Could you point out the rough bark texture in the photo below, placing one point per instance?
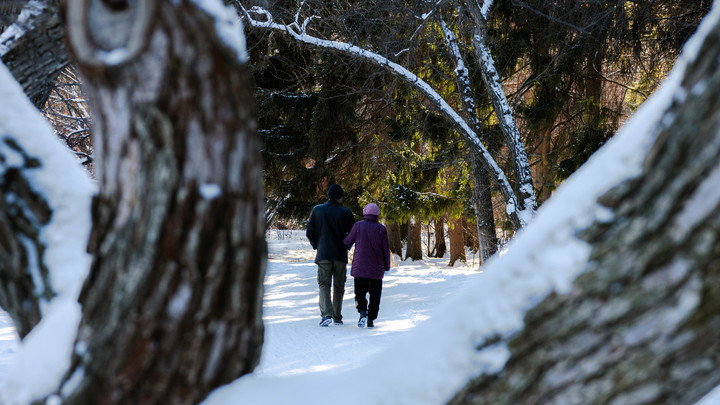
(482, 198)
(642, 324)
(23, 212)
(457, 243)
(440, 246)
(394, 238)
(506, 119)
(482, 204)
(172, 304)
(414, 239)
(33, 49)
(9, 10)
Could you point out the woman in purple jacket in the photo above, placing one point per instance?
(370, 262)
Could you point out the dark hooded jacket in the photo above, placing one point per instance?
(326, 228)
(372, 249)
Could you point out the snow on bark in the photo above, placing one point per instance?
(467, 336)
(485, 9)
(504, 114)
(32, 154)
(228, 26)
(23, 23)
(171, 308)
(298, 32)
(482, 199)
(33, 49)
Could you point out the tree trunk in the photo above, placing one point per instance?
(543, 169)
(36, 266)
(23, 214)
(482, 199)
(172, 304)
(440, 246)
(470, 235)
(642, 322)
(482, 204)
(414, 239)
(33, 48)
(457, 244)
(394, 238)
(506, 118)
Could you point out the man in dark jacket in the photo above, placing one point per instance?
(328, 225)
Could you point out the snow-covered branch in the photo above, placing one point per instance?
(301, 35)
(45, 222)
(504, 113)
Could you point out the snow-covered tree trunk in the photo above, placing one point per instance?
(171, 308)
(482, 198)
(25, 279)
(24, 276)
(33, 48)
(506, 118)
(641, 325)
(35, 208)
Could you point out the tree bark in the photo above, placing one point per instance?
(482, 198)
(440, 246)
(457, 243)
(172, 304)
(642, 322)
(414, 239)
(23, 214)
(34, 50)
(394, 238)
(506, 118)
(482, 204)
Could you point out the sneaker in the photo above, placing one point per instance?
(370, 324)
(338, 322)
(362, 320)
(326, 321)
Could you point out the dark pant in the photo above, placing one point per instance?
(363, 286)
(331, 272)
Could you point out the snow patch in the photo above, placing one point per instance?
(210, 191)
(179, 302)
(228, 26)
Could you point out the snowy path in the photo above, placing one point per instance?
(295, 344)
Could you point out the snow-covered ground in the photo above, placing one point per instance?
(294, 343)
(8, 343)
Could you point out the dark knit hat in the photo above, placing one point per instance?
(335, 192)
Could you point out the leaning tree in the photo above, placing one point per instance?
(171, 305)
(611, 290)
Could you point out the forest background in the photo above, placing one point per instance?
(475, 116)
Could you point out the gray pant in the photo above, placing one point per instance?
(335, 271)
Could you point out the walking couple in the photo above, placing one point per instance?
(332, 231)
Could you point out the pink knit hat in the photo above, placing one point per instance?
(371, 209)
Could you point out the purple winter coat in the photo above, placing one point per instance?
(372, 249)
